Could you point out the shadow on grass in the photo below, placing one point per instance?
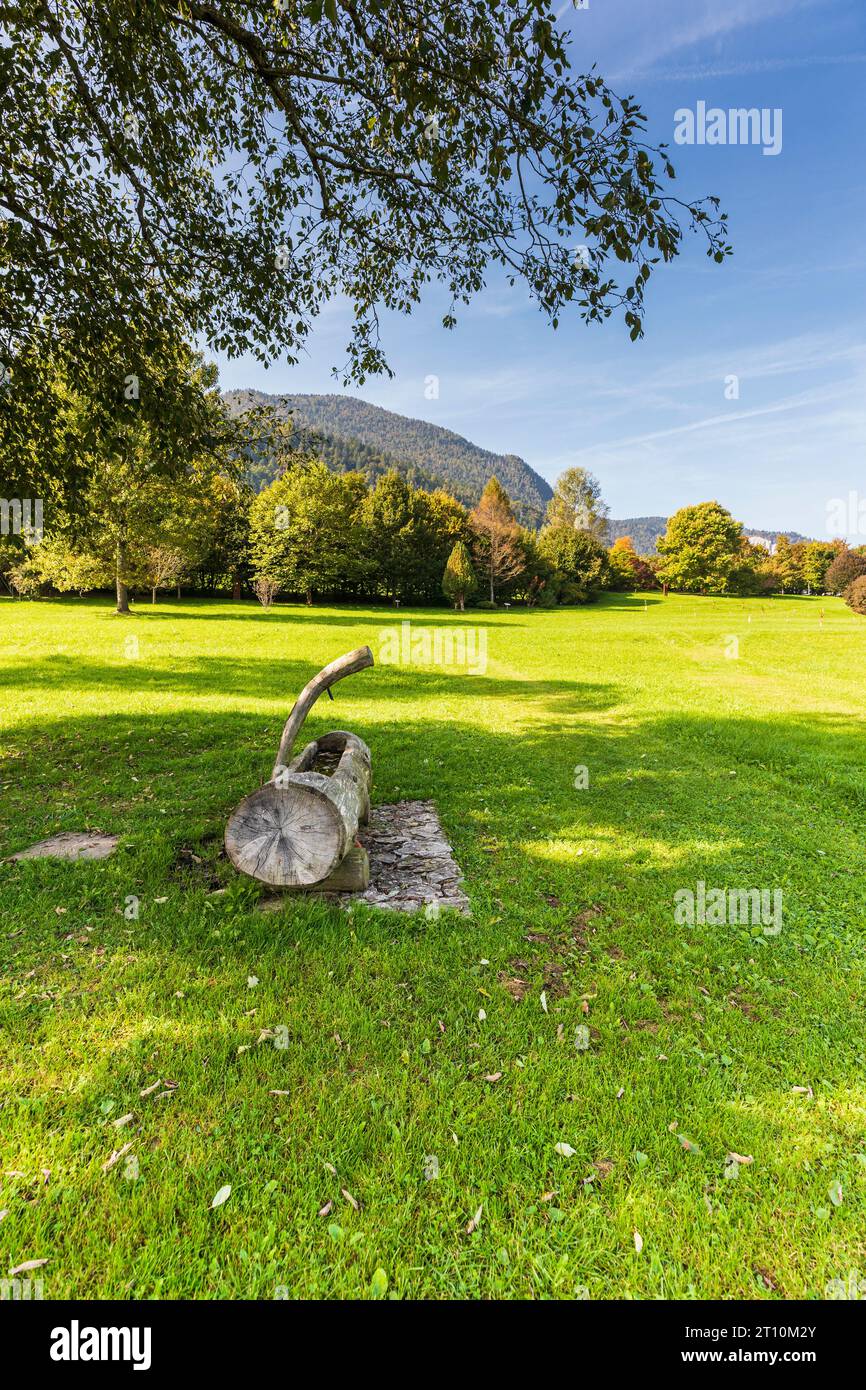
(750, 784)
(283, 679)
(661, 808)
(222, 610)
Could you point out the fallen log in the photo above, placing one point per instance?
(298, 828)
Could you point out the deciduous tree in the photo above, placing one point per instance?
(306, 533)
(855, 594)
(497, 548)
(578, 562)
(702, 547)
(847, 566)
(218, 171)
(577, 502)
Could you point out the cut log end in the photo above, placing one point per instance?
(295, 830)
(286, 835)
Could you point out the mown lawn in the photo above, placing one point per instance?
(742, 771)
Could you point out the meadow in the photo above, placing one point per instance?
(385, 1094)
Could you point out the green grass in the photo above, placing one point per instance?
(743, 772)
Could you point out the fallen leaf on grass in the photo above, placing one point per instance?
(493, 1077)
(353, 1202)
(149, 1090)
(279, 1093)
(28, 1264)
(116, 1157)
(543, 1001)
(475, 1222)
(638, 1241)
(803, 1091)
(565, 1150)
(221, 1196)
(740, 1158)
(123, 1120)
(835, 1193)
(326, 1209)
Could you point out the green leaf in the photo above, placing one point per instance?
(379, 1284)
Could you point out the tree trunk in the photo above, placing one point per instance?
(297, 829)
(122, 590)
(153, 595)
(309, 598)
(492, 598)
(236, 585)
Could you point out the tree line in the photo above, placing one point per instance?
(314, 533)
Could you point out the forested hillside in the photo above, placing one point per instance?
(350, 433)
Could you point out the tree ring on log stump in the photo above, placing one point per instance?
(287, 835)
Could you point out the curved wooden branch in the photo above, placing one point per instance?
(343, 666)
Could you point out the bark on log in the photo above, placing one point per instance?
(297, 829)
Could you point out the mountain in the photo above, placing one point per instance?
(646, 530)
(350, 433)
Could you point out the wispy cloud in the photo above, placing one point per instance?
(753, 67)
(655, 32)
(798, 402)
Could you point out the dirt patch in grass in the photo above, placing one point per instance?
(197, 870)
(581, 927)
(513, 985)
(554, 958)
(746, 1008)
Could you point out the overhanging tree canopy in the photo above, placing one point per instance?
(223, 169)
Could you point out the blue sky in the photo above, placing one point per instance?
(786, 315)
